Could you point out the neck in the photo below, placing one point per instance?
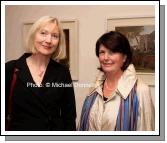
(40, 61)
(113, 77)
(111, 81)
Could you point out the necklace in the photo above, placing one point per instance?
(35, 70)
(41, 73)
(107, 87)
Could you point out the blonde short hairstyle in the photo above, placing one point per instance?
(59, 53)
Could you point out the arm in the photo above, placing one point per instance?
(68, 105)
(9, 70)
(146, 119)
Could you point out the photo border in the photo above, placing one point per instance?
(158, 137)
(72, 26)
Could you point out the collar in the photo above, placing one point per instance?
(53, 68)
(125, 83)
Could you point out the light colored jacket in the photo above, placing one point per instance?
(103, 114)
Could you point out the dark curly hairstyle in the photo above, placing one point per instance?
(117, 43)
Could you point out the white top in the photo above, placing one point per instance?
(103, 114)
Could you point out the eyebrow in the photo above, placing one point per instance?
(49, 32)
(43, 29)
(101, 50)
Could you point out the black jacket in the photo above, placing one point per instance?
(50, 107)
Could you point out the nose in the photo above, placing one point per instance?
(106, 56)
(48, 38)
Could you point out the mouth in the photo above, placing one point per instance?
(107, 64)
(46, 47)
(110, 63)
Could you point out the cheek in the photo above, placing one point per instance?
(37, 41)
(100, 59)
(121, 64)
(55, 42)
(38, 38)
(120, 61)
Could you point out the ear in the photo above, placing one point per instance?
(124, 58)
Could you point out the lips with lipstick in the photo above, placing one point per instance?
(46, 46)
(107, 64)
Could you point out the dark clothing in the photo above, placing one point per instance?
(46, 108)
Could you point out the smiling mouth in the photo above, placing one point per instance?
(46, 47)
(107, 65)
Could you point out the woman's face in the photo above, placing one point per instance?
(110, 62)
(46, 39)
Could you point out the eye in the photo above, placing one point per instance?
(43, 33)
(101, 52)
(55, 36)
(111, 53)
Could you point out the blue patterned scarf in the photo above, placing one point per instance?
(127, 116)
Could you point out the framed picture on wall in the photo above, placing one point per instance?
(70, 28)
(140, 32)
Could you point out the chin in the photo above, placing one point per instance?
(46, 53)
(107, 69)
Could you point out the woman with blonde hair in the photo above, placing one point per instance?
(34, 99)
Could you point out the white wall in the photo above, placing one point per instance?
(92, 24)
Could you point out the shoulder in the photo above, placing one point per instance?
(10, 63)
(9, 69)
(58, 66)
(9, 66)
(18, 62)
(58, 69)
(141, 86)
(143, 92)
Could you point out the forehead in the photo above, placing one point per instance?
(50, 27)
(102, 47)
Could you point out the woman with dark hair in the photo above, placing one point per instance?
(120, 100)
